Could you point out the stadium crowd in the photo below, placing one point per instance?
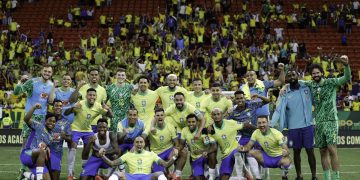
(137, 82)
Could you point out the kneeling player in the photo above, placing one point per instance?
(275, 153)
(199, 148)
(139, 163)
(103, 139)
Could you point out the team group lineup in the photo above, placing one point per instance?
(137, 133)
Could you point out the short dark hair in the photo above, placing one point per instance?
(179, 93)
(102, 120)
(91, 89)
(192, 116)
(216, 85)
(196, 79)
(159, 110)
(93, 69)
(49, 115)
(6, 114)
(239, 92)
(56, 101)
(316, 66)
(132, 109)
(262, 116)
(143, 77)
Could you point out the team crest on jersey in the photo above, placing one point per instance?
(162, 138)
(192, 141)
(171, 97)
(181, 120)
(143, 103)
(88, 116)
(266, 144)
(306, 91)
(223, 136)
(43, 95)
(197, 104)
(139, 161)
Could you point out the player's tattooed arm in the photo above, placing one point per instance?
(114, 144)
(113, 163)
(28, 115)
(89, 146)
(75, 95)
(247, 147)
(52, 95)
(171, 161)
(281, 79)
(285, 150)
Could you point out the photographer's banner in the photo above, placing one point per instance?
(10, 137)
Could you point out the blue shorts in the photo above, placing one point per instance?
(93, 165)
(227, 164)
(138, 176)
(125, 147)
(55, 162)
(26, 160)
(83, 135)
(164, 156)
(301, 137)
(94, 128)
(271, 162)
(197, 166)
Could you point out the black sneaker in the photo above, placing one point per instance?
(299, 178)
(314, 178)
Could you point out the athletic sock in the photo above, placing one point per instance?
(162, 177)
(178, 173)
(336, 175)
(327, 175)
(39, 173)
(212, 174)
(254, 167)
(239, 163)
(29, 175)
(71, 161)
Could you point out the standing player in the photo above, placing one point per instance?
(295, 113)
(61, 132)
(166, 93)
(119, 95)
(275, 153)
(164, 140)
(197, 97)
(102, 139)
(200, 149)
(245, 111)
(128, 129)
(85, 112)
(216, 100)
(38, 90)
(255, 86)
(63, 94)
(35, 154)
(81, 92)
(145, 101)
(139, 163)
(225, 136)
(324, 100)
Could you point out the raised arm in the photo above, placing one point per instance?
(281, 79)
(24, 86)
(75, 95)
(28, 115)
(347, 72)
(264, 99)
(201, 126)
(52, 95)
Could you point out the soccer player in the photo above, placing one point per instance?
(85, 112)
(166, 93)
(63, 94)
(35, 154)
(178, 112)
(275, 153)
(38, 90)
(295, 113)
(61, 133)
(245, 111)
(119, 95)
(197, 97)
(102, 139)
(145, 101)
(255, 86)
(128, 129)
(200, 149)
(139, 163)
(81, 92)
(225, 137)
(216, 100)
(164, 140)
(325, 114)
